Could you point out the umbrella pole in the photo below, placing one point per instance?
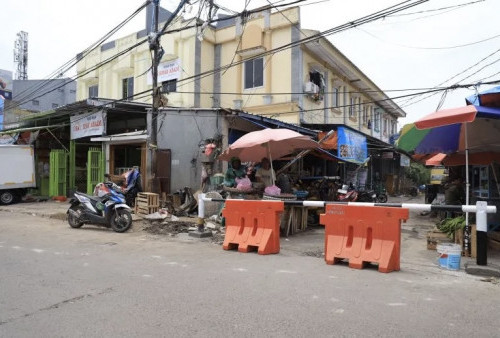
(270, 160)
(467, 184)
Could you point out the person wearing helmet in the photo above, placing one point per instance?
(235, 170)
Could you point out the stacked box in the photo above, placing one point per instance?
(146, 203)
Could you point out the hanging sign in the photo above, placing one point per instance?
(167, 71)
(404, 161)
(87, 125)
(351, 145)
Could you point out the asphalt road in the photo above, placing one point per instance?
(91, 282)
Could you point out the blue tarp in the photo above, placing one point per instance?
(476, 98)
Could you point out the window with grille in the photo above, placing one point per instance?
(128, 88)
(94, 91)
(335, 97)
(254, 73)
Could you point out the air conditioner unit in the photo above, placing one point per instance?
(311, 88)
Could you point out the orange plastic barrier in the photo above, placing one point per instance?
(363, 234)
(253, 225)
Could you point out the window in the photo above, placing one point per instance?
(344, 102)
(318, 79)
(385, 126)
(94, 91)
(128, 88)
(254, 73)
(35, 102)
(169, 86)
(370, 117)
(335, 97)
(351, 106)
(394, 127)
(365, 115)
(377, 121)
(55, 105)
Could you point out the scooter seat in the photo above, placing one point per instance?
(95, 198)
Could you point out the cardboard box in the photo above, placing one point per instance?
(436, 237)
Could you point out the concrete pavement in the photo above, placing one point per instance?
(414, 254)
(92, 282)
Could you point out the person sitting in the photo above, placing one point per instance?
(265, 174)
(235, 170)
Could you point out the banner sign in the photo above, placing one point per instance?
(404, 161)
(351, 145)
(87, 125)
(167, 71)
(5, 84)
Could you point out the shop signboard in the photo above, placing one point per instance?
(438, 175)
(170, 70)
(89, 124)
(351, 145)
(5, 92)
(404, 161)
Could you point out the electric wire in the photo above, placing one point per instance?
(30, 91)
(363, 20)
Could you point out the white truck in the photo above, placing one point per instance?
(17, 172)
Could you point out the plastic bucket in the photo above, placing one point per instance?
(449, 255)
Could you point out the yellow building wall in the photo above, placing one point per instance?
(256, 38)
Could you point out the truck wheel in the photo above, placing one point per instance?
(7, 197)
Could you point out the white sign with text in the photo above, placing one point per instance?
(169, 70)
(87, 125)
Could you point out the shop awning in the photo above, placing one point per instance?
(266, 122)
(20, 130)
(141, 135)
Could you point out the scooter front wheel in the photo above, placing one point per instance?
(382, 198)
(121, 221)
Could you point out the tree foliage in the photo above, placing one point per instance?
(418, 173)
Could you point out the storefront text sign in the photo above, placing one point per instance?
(167, 71)
(87, 125)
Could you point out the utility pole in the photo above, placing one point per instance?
(154, 45)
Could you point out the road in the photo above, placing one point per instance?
(91, 282)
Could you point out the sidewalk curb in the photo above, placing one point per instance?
(490, 270)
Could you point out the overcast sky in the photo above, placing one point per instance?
(400, 52)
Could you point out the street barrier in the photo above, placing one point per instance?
(363, 234)
(253, 225)
(481, 209)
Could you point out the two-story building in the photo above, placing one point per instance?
(259, 64)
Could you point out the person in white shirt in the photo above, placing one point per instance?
(265, 174)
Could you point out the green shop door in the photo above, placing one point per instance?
(58, 173)
(95, 168)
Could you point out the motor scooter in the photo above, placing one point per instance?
(367, 195)
(347, 193)
(107, 209)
